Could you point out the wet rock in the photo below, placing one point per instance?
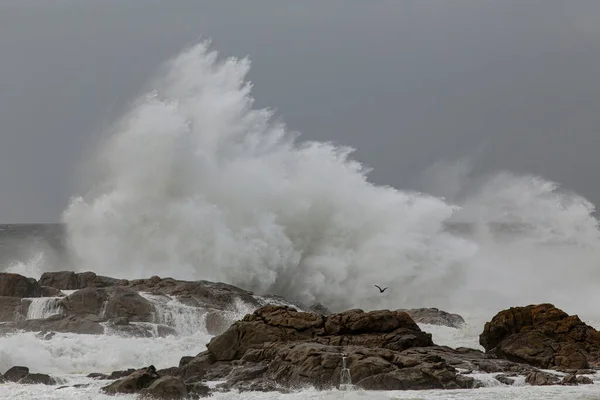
(12, 309)
(133, 383)
(68, 280)
(584, 380)
(37, 379)
(113, 375)
(197, 390)
(60, 280)
(569, 380)
(15, 285)
(543, 336)
(2, 378)
(47, 291)
(504, 379)
(387, 329)
(539, 378)
(15, 374)
(434, 316)
(165, 388)
(197, 367)
(46, 335)
(107, 303)
(185, 361)
(77, 386)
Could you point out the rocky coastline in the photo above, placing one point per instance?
(278, 345)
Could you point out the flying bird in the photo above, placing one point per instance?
(380, 289)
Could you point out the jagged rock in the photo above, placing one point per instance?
(16, 373)
(543, 336)
(196, 390)
(114, 302)
(12, 309)
(165, 388)
(2, 378)
(539, 378)
(504, 379)
(387, 329)
(569, 380)
(280, 344)
(584, 380)
(15, 285)
(68, 280)
(434, 316)
(37, 379)
(185, 361)
(133, 383)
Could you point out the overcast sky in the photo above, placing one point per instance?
(406, 82)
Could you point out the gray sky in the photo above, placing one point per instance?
(406, 82)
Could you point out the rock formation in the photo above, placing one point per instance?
(542, 336)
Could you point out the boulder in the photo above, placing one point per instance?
(540, 378)
(15, 374)
(165, 388)
(133, 383)
(543, 336)
(37, 379)
(106, 303)
(434, 316)
(386, 329)
(15, 285)
(68, 280)
(12, 309)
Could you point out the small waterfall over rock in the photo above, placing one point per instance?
(43, 307)
(345, 377)
(186, 320)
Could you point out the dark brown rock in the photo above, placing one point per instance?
(542, 336)
(584, 380)
(504, 379)
(106, 303)
(387, 329)
(539, 378)
(15, 374)
(37, 379)
(68, 280)
(13, 308)
(165, 388)
(15, 285)
(133, 383)
(434, 316)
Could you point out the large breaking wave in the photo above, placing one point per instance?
(195, 183)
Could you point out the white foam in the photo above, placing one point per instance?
(43, 307)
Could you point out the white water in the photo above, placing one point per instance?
(194, 183)
(43, 307)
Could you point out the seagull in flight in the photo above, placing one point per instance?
(380, 289)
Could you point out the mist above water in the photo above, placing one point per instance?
(195, 183)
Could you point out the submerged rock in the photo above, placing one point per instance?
(543, 336)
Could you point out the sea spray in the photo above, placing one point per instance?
(197, 184)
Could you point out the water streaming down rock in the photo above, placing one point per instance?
(345, 377)
(43, 307)
(186, 320)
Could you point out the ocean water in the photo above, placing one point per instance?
(194, 182)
